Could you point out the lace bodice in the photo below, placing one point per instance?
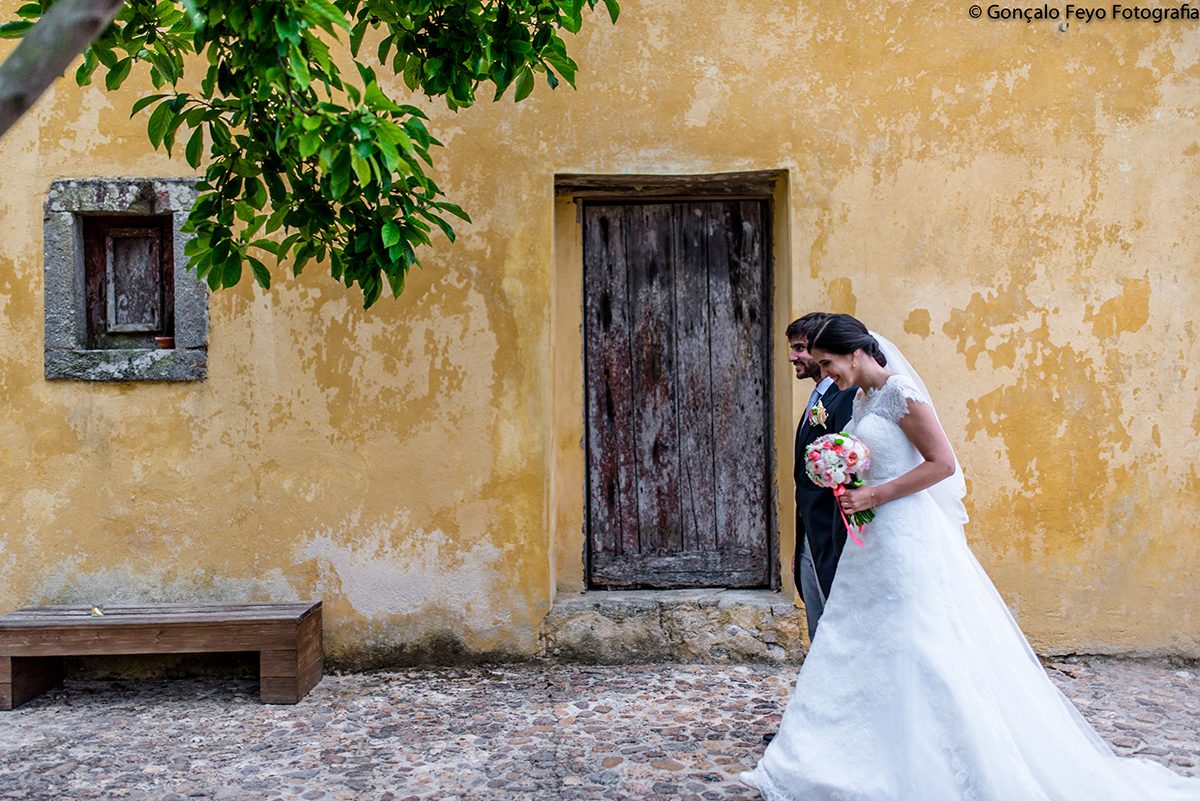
(876, 419)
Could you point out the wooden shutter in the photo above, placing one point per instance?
(678, 413)
(132, 280)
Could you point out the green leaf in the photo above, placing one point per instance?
(15, 29)
(275, 221)
(299, 67)
(356, 37)
(412, 73)
(115, 77)
(262, 276)
(231, 270)
(390, 233)
(256, 192)
(145, 101)
(442, 224)
(303, 254)
(339, 176)
(160, 120)
(286, 245)
(254, 225)
(524, 85)
(330, 12)
(105, 53)
(371, 290)
(83, 75)
(573, 21)
(361, 168)
(391, 156)
(244, 211)
(172, 127)
(455, 210)
(195, 147)
(310, 143)
(269, 245)
(565, 66)
(376, 99)
(396, 281)
(393, 133)
(365, 73)
(195, 245)
(275, 188)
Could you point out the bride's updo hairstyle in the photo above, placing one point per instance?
(843, 334)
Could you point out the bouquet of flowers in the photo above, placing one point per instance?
(834, 461)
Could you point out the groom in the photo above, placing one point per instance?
(820, 531)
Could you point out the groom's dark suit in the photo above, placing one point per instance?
(817, 517)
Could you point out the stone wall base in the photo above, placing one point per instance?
(712, 625)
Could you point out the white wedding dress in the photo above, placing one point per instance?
(919, 686)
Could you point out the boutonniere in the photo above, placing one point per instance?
(817, 416)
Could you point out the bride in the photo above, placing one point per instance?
(919, 686)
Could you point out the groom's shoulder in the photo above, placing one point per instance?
(841, 405)
(841, 401)
(842, 395)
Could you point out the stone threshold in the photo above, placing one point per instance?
(704, 625)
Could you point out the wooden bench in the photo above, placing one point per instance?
(287, 636)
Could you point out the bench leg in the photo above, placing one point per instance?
(284, 677)
(23, 678)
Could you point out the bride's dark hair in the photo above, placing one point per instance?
(843, 334)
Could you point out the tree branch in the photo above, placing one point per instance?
(47, 50)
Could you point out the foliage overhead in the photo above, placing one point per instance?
(305, 161)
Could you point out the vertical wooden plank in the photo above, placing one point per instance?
(694, 381)
(94, 281)
(312, 671)
(30, 676)
(736, 264)
(651, 260)
(608, 371)
(133, 284)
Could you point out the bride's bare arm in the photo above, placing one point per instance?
(921, 427)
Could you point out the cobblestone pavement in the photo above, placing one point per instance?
(501, 732)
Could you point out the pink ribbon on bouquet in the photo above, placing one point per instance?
(838, 492)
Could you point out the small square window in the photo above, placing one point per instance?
(129, 281)
(120, 304)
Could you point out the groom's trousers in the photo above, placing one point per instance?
(810, 589)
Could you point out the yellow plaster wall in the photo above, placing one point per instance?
(1009, 202)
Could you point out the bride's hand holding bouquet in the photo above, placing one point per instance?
(836, 461)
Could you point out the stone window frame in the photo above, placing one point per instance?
(67, 357)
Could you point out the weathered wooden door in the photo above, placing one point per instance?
(676, 326)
